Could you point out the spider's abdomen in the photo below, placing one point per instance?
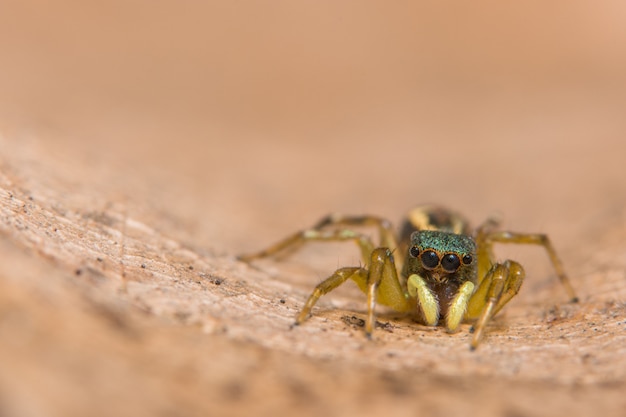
(432, 218)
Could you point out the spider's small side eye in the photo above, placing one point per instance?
(467, 259)
(430, 259)
(414, 251)
(450, 262)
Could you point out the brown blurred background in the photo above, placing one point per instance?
(226, 125)
(367, 106)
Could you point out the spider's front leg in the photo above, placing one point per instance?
(335, 280)
(380, 283)
(497, 288)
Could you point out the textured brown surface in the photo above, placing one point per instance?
(142, 147)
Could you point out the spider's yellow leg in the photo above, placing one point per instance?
(339, 277)
(541, 240)
(385, 228)
(380, 283)
(458, 306)
(375, 276)
(427, 301)
(322, 231)
(382, 286)
(484, 247)
(292, 242)
(499, 286)
(512, 286)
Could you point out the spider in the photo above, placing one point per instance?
(448, 275)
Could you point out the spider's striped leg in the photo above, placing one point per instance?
(333, 228)
(335, 280)
(380, 283)
(499, 286)
(383, 286)
(487, 240)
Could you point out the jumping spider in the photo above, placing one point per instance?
(449, 272)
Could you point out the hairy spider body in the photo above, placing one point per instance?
(445, 261)
(448, 275)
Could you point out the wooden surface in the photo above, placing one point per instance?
(137, 162)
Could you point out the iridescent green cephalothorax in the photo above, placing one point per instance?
(449, 274)
(445, 261)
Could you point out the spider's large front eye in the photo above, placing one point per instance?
(414, 251)
(450, 262)
(430, 259)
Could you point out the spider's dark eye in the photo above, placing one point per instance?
(429, 259)
(414, 251)
(467, 259)
(450, 262)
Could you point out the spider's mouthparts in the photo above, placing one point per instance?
(438, 277)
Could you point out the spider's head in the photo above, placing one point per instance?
(441, 257)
